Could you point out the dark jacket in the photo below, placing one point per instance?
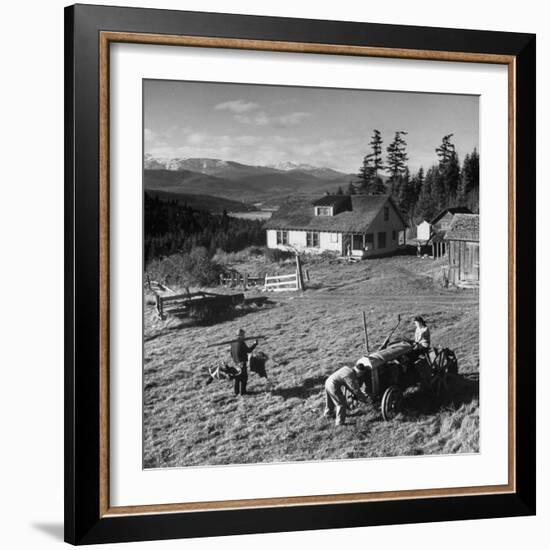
(240, 351)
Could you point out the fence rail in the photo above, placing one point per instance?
(234, 278)
(167, 301)
(277, 283)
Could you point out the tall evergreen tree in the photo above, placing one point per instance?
(426, 207)
(396, 160)
(365, 175)
(407, 197)
(376, 155)
(447, 188)
(351, 189)
(469, 182)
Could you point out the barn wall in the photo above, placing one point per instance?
(462, 261)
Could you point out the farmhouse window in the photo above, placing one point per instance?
(282, 237)
(369, 241)
(312, 239)
(394, 235)
(334, 237)
(382, 239)
(324, 211)
(386, 213)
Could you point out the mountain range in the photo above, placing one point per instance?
(267, 185)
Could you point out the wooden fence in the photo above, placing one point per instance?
(234, 278)
(194, 302)
(278, 283)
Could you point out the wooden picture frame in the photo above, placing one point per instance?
(89, 32)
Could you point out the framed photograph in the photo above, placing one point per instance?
(300, 280)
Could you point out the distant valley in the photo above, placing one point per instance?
(207, 179)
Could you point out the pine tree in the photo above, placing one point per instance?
(426, 207)
(369, 179)
(396, 160)
(449, 169)
(376, 155)
(469, 182)
(406, 199)
(340, 191)
(365, 175)
(351, 189)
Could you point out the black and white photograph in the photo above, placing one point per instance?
(310, 273)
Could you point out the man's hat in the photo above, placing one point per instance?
(363, 363)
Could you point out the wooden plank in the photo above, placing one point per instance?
(276, 277)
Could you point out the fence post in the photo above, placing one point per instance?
(159, 305)
(245, 280)
(299, 277)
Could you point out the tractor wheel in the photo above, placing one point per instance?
(351, 400)
(391, 403)
(444, 367)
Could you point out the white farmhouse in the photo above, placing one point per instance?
(356, 225)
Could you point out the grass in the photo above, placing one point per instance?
(309, 335)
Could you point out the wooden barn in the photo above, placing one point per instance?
(349, 225)
(462, 238)
(438, 226)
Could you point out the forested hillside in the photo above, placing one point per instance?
(171, 227)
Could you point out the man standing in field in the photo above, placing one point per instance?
(335, 400)
(239, 354)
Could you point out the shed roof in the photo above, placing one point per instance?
(464, 227)
(453, 210)
(299, 214)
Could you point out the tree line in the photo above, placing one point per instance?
(171, 227)
(421, 195)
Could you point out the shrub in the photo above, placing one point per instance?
(196, 268)
(276, 255)
(200, 268)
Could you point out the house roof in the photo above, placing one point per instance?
(333, 200)
(464, 227)
(453, 210)
(299, 214)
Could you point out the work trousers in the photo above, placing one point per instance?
(241, 380)
(335, 403)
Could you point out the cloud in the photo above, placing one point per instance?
(149, 135)
(237, 106)
(261, 118)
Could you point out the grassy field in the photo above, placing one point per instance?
(309, 335)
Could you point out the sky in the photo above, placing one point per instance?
(324, 127)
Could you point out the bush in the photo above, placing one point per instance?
(200, 268)
(276, 255)
(194, 269)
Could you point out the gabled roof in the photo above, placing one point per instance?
(299, 214)
(464, 227)
(453, 210)
(338, 201)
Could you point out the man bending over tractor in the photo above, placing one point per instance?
(335, 400)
